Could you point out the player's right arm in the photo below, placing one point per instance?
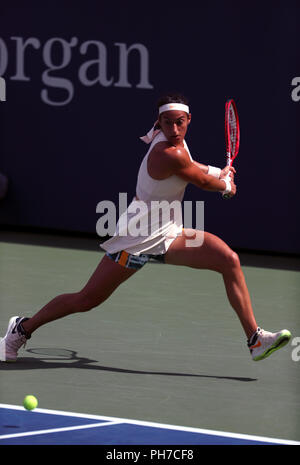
(179, 163)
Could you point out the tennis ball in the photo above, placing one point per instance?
(30, 402)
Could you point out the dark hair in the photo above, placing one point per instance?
(172, 98)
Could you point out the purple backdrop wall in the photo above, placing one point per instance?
(81, 87)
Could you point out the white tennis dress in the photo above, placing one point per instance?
(152, 223)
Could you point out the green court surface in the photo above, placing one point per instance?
(166, 347)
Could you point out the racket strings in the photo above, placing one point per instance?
(232, 129)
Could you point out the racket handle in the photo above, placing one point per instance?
(228, 158)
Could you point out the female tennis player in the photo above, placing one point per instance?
(164, 173)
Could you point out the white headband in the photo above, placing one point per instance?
(174, 106)
(148, 138)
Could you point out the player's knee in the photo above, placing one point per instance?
(233, 260)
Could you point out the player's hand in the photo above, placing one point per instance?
(228, 169)
(232, 192)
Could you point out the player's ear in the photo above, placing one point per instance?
(189, 118)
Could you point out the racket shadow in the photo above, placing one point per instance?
(65, 358)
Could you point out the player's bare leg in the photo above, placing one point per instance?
(214, 254)
(106, 278)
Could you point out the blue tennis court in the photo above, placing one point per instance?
(51, 427)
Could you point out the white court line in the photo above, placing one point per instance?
(227, 434)
(57, 430)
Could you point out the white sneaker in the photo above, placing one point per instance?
(264, 343)
(14, 339)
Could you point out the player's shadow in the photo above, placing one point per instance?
(64, 358)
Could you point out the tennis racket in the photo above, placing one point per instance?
(232, 134)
